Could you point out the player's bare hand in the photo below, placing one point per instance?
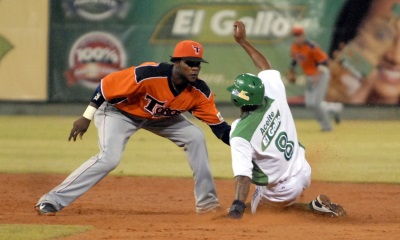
(239, 32)
(79, 127)
(291, 76)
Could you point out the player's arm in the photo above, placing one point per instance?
(81, 125)
(210, 115)
(221, 131)
(242, 165)
(206, 111)
(321, 58)
(291, 75)
(242, 188)
(239, 33)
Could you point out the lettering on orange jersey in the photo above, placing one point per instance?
(157, 109)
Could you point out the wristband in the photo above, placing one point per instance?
(89, 112)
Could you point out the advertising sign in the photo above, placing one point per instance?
(23, 50)
(92, 38)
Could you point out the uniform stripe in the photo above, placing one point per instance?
(202, 87)
(153, 71)
(247, 126)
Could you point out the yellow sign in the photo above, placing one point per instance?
(23, 50)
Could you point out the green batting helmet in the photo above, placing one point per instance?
(247, 90)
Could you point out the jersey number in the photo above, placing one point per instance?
(284, 145)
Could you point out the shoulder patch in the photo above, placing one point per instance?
(145, 71)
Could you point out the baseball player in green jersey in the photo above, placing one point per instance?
(264, 144)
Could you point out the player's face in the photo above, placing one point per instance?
(385, 31)
(190, 69)
(378, 43)
(299, 39)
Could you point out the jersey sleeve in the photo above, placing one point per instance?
(206, 110)
(119, 84)
(273, 84)
(242, 153)
(319, 55)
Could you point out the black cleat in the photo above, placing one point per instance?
(46, 209)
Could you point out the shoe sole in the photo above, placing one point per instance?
(337, 210)
(214, 209)
(44, 214)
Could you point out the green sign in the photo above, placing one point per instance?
(5, 46)
(89, 39)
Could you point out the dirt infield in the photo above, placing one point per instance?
(163, 208)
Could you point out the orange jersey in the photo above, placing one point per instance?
(308, 55)
(146, 91)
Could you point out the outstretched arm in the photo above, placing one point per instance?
(81, 125)
(222, 131)
(242, 188)
(239, 33)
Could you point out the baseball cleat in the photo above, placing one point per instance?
(323, 205)
(46, 209)
(212, 208)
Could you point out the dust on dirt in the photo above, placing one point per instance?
(163, 208)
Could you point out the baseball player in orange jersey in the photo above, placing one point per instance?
(151, 96)
(313, 62)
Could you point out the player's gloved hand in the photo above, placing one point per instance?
(237, 209)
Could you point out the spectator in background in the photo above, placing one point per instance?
(314, 63)
(365, 50)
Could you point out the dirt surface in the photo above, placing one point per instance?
(163, 208)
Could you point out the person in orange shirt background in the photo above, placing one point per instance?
(314, 63)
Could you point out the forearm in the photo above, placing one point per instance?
(256, 56)
(293, 64)
(96, 100)
(242, 188)
(221, 131)
(93, 104)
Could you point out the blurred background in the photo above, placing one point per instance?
(53, 53)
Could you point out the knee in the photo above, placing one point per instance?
(108, 162)
(196, 135)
